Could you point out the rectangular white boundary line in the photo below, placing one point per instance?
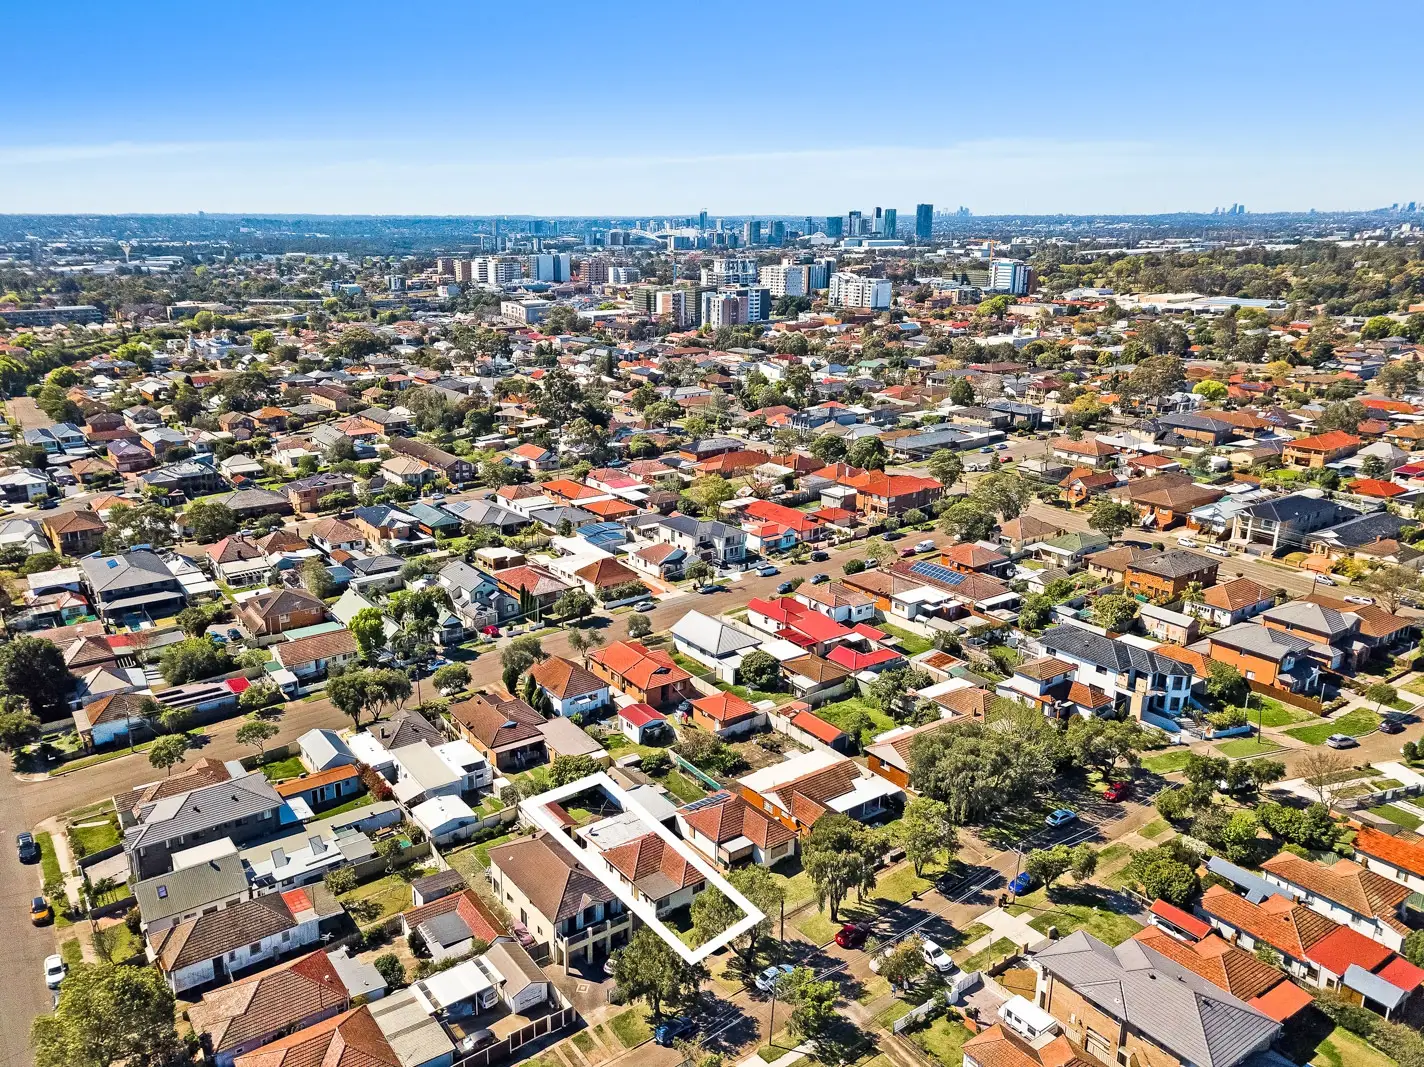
(536, 809)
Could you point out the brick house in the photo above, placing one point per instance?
(1164, 576)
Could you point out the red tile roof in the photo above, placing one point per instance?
(1405, 855)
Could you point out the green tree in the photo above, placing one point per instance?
(840, 856)
(255, 733)
(1003, 494)
(1085, 862)
(1381, 694)
(868, 453)
(168, 751)
(1413, 949)
(812, 1000)
(18, 725)
(977, 771)
(1110, 518)
(1162, 873)
(570, 768)
(368, 626)
(961, 392)
(109, 1014)
(1035, 611)
(316, 579)
(1224, 683)
(194, 620)
(925, 832)
(574, 604)
(713, 912)
(517, 657)
(192, 660)
(903, 963)
(647, 969)
(698, 572)
(946, 466)
(760, 671)
(968, 520)
(639, 625)
(451, 678)
(1047, 865)
(1114, 611)
(210, 521)
(709, 492)
(1101, 744)
(1210, 389)
(391, 970)
(34, 668)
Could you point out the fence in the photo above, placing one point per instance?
(705, 779)
(782, 725)
(506, 1047)
(1285, 696)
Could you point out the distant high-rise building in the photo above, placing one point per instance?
(445, 265)
(464, 271)
(855, 291)
(395, 283)
(778, 233)
(623, 275)
(809, 226)
(877, 223)
(854, 221)
(784, 279)
(595, 270)
(735, 306)
(550, 267)
(702, 220)
(835, 226)
(730, 272)
(818, 274)
(924, 223)
(1009, 276)
(751, 232)
(891, 223)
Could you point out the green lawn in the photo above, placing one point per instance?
(281, 770)
(1167, 762)
(943, 1040)
(1246, 746)
(1343, 1049)
(631, 1027)
(683, 786)
(987, 957)
(1354, 724)
(87, 840)
(387, 895)
(72, 952)
(482, 850)
(1076, 909)
(795, 883)
(1155, 829)
(890, 889)
(583, 1042)
(910, 644)
(839, 712)
(756, 696)
(49, 859)
(350, 805)
(1398, 816)
(1268, 712)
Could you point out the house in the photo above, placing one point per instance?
(217, 882)
(729, 831)
(533, 458)
(1309, 453)
(663, 561)
(564, 737)
(1085, 453)
(1145, 681)
(838, 602)
(456, 469)
(1052, 685)
(656, 871)
(332, 535)
(1231, 602)
(504, 730)
(409, 471)
(136, 583)
(1287, 520)
(1382, 632)
(792, 621)
(799, 790)
(450, 923)
(1083, 483)
(879, 495)
(450, 769)
(395, 1031)
(1018, 533)
(1173, 627)
(716, 542)
(237, 561)
(571, 689)
(557, 902)
(889, 754)
(647, 675)
(1331, 633)
(74, 533)
(642, 724)
(111, 719)
(815, 681)
(1164, 500)
(239, 808)
(1394, 857)
(219, 945)
(249, 504)
(726, 715)
(1165, 576)
(1315, 950)
(1267, 655)
(1069, 549)
(190, 478)
(247, 1014)
(718, 645)
(305, 493)
(532, 588)
(1126, 1005)
(1176, 939)
(969, 558)
(390, 528)
(312, 658)
(324, 789)
(1347, 892)
(279, 610)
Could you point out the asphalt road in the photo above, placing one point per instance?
(27, 413)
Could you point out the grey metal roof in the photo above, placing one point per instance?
(190, 888)
(1116, 656)
(123, 572)
(1314, 617)
(202, 808)
(1373, 986)
(1296, 507)
(1174, 563)
(1178, 1010)
(1355, 532)
(713, 636)
(1262, 641)
(1257, 888)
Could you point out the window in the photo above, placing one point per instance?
(163, 892)
(254, 948)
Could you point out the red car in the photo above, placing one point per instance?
(1118, 791)
(490, 631)
(852, 935)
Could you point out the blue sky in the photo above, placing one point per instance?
(658, 108)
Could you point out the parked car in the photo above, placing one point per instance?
(1391, 726)
(1186, 542)
(891, 535)
(769, 571)
(768, 979)
(852, 935)
(1117, 791)
(643, 605)
(473, 1042)
(936, 956)
(1341, 741)
(927, 545)
(26, 846)
(1215, 551)
(1021, 883)
(784, 588)
(47, 504)
(907, 551)
(55, 969)
(490, 631)
(1324, 579)
(40, 911)
(669, 1030)
(1061, 817)
(817, 579)
(440, 496)
(1359, 600)
(819, 556)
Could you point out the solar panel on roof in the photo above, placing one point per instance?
(707, 801)
(936, 572)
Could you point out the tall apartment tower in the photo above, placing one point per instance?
(445, 265)
(595, 270)
(853, 290)
(464, 271)
(784, 279)
(924, 223)
(778, 233)
(730, 272)
(835, 226)
(854, 224)
(751, 232)
(890, 223)
(877, 223)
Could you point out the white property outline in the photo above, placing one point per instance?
(536, 810)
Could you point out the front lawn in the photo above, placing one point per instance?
(631, 1027)
(281, 770)
(1167, 762)
(1354, 724)
(94, 835)
(893, 888)
(943, 1040)
(1155, 829)
(1268, 712)
(756, 696)
(1077, 909)
(49, 859)
(1241, 747)
(1343, 1049)
(987, 957)
(1398, 816)
(683, 786)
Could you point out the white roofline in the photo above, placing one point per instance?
(536, 810)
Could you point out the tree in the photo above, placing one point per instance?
(1162, 873)
(1225, 684)
(316, 579)
(1114, 611)
(1155, 376)
(977, 771)
(109, 1014)
(812, 1000)
(946, 467)
(967, 519)
(255, 733)
(1085, 862)
(194, 620)
(175, 720)
(1345, 415)
(698, 572)
(925, 832)
(1210, 389)
(639, 625)
(451, 678)
(1413, 949)
(868, 453)
(566, 769)
(1390, 586)
(1110, 518)
(713, 911)
(1047, 865)
(1321, 770)
(903, 963)
(517, 657)
(1034, 611)
(145, 524)
(168, 751)
(574, 604)
(34, 668)
(210, 521)
(760, 671)
(840, 855)
(368, 626)
(1101, 744)
(18, 725)
(647, 969)
(348, 692)
(391, 970)
(193, 659)
(709, 492)
(961, 392)
(1381, 694)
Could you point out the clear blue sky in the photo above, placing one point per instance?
(657, 108)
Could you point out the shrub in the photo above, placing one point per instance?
(341, 880)
(656, 763)
(1227, 718)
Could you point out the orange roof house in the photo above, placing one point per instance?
(725, 714)
(647, 675)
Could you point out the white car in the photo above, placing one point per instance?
(1358, 600)
(770, 978)
(1213, 550)
(936, 956)
(924, 546)
(55, 969)
(1186, 542)
(1324, 579)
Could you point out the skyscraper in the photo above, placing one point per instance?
(751, 232)
(835, 226)
(778, 233)
(924, 223)
(888, 229)
(702, 220)
(877, 225)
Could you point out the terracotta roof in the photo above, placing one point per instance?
(1375, 487)
(971, 555)
(606, 572)
(498, 722)
(269, 1001)
(1093, 448)
(1236, 594)
(880, 484)
(1345, 882)
(1183, 920)
(644, 857)
(206, 936)
(1325, 442)
(73, 522)
(116, 707)
(315, 647)
(734, 817)
(467, 905)
(296, 786)
(1284, 925)
(565, 679)
(1405, 855)
(1040, 670)
(816, 669)
(724, 708)
(998, 1046)
(639, 665)
(1088, 696)
(972, 702)
(352, 1039)
(1214, 958)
